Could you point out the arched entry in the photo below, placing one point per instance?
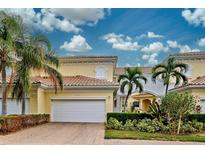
(146, 103)
(145, 99)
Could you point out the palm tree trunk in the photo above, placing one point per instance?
(179, 124)
(3, 75)
(125, 103)
(23, 104)
(167, 87)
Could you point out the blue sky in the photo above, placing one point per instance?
(137, 36)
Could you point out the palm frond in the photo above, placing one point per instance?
(138, 85)
(140, 77)
(180, 75)
(157, 74)
(181, 66)
(159, 67)
(123, 77)
(52, 59)
(55, 76)
(42, 42)
(123, 85)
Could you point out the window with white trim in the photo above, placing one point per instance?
(101, 72)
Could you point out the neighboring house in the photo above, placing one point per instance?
(87, 95)
(140, 101)
(153, 91)
(196, 74)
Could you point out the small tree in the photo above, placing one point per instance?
(177, 105)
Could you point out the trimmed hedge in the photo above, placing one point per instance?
(12, 123)
(197, 117)
(123, 116)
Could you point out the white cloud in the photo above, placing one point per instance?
(172, 44)
(151, 35)
(76, 44)
(51, 22)
(151, 59)
(29, 16)
(201, 42)
(182, 48)
(154, 48)
(121, 42)
(81, 16)
(197, 17)
(66, 20)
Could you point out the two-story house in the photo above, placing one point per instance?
(87, 95)
(153, 91)
(195, 74)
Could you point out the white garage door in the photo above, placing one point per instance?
(78, 111)
(13, 107)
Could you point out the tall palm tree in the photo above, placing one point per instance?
(170, 70)
(131, 80)
(10, 27)
(35, 55)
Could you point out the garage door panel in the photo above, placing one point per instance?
(78, 111)
(15, 108)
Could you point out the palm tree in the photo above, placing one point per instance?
(131, 80)
(35, 55)
(10, 27)
(170, 70)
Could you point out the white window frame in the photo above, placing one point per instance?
(101, 74)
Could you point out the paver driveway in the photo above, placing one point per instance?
(69, 133)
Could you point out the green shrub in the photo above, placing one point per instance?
(113, 123)
(129, 125)
(143, 124)
(187, 128)
(121, 116)
(197, 117)
(135, 122)
(158, 126)
(150, 129)
(192, 126)
(172, 127)
(197, 125)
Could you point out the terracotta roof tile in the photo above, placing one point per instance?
(78, 80)
(198, 81)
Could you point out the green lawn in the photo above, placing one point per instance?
(119, 134)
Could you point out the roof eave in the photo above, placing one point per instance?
(187, 87)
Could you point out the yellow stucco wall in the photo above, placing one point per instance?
(84, 69)
(42, 102)
(197, 68)
(142, 100)
(199, 92)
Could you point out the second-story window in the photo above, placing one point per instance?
(101, 72)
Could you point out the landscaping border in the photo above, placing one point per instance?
(13, 123)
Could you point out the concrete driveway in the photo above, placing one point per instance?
(70, 133)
